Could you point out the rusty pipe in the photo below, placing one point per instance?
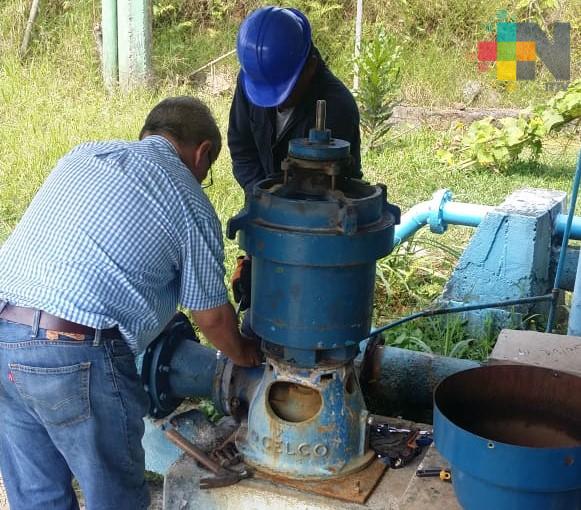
(193, 451)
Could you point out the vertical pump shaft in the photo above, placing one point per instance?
(321, 115)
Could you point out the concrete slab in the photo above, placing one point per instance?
(558, 352)
(429, 493)
(399, 489)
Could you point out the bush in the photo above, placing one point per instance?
(379, 87)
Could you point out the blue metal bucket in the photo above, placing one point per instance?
(512, 436)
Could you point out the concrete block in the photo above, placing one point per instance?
(508, 257)
(558, 352)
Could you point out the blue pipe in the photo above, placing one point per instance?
(441, 211)
(467, 215)
(561, 223)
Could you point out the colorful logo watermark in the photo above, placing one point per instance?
(518, 45)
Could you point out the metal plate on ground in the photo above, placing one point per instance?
(353, 488)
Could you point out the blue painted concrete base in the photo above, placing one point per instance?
(510, 256)
(160, 453)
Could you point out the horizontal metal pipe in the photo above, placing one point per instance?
(192, 370)
(402, 382)
(561, 223)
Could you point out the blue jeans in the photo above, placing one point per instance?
(70, 408)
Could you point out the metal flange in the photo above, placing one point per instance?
(156, 369)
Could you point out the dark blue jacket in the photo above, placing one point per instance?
(256, 151)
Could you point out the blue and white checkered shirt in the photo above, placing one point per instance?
(118, 235)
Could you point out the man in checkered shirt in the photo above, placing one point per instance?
(117, 237)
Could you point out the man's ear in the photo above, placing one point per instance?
(201, 151)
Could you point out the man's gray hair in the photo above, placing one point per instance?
(186, 119)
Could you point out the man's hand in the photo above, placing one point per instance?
(242, 281)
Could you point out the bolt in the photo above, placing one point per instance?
(164, 369)
(162, 396)
(370, 420)
(234, 403)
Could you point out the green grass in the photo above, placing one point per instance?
(54, 100)
(445, 336)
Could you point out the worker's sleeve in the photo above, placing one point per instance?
(344, 124)
(245, 156)
(202, 265)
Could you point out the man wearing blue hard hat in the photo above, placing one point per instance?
(282, 75)
(281, 78)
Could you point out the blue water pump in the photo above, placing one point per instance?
(314, 236)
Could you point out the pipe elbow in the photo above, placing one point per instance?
(429, 212)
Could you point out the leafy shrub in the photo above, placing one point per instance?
(496, 144)
(379, 86)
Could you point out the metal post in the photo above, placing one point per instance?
(124, 42)
(134, 42)
(141, 16)
(109, 30)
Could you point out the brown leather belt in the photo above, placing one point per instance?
(26, 316)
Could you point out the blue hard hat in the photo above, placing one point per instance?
(273, 45)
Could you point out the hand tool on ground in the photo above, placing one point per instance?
(226, 454)
(444, 474)
(223, 477)
(397, 446)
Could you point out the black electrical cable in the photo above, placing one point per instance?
(460, 309)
